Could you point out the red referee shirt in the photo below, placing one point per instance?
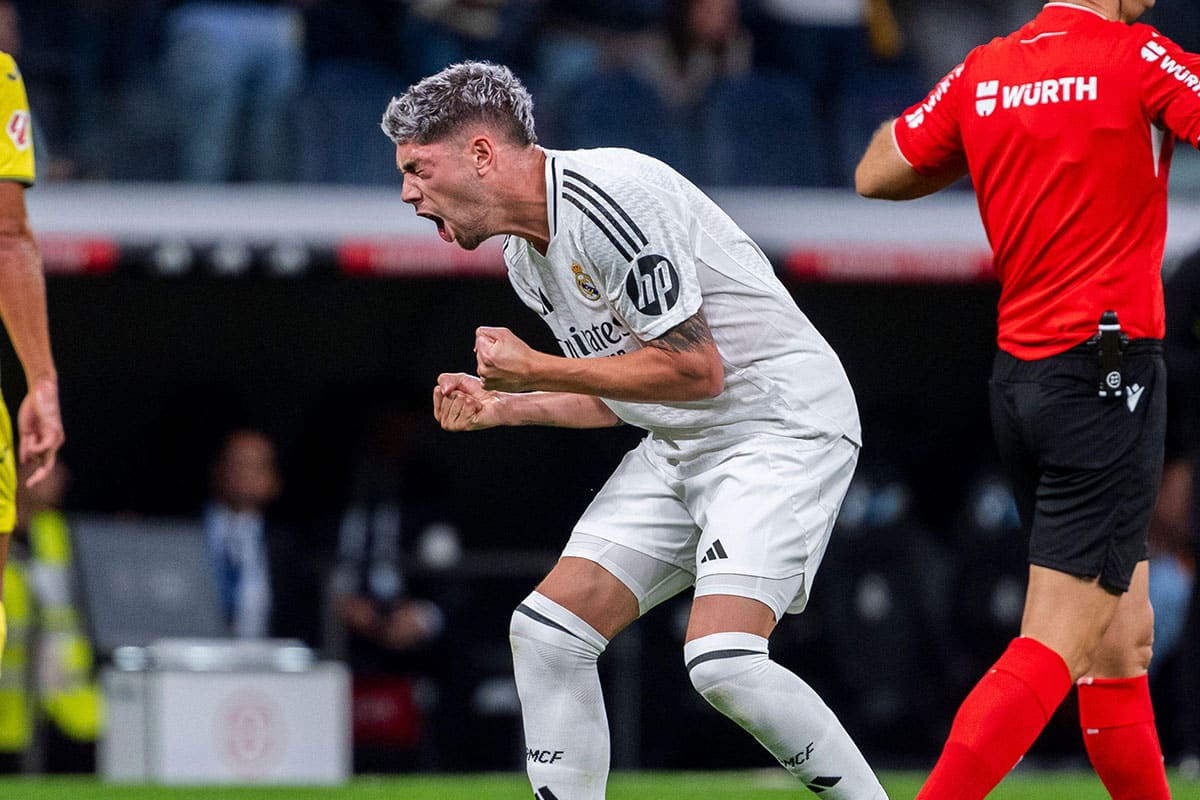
(1067, 127)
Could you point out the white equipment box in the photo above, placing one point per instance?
(225, 712)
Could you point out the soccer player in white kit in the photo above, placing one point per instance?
(671, 319)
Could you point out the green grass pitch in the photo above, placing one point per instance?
(758, 785)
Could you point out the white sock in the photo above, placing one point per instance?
(734, 673)
(566, 728)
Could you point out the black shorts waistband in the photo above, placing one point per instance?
(1134, 347)
(1088, 349)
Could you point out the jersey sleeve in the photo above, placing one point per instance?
(1170, 84)
(16, 146)
(636, 243)
(927, 134)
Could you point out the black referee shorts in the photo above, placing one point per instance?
(1085, 469)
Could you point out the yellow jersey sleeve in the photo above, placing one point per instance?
(16, 145)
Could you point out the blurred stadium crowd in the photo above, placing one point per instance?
(292, 90)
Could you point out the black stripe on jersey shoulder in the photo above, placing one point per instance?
(554, 196)
(615, 241)
(568, 186)
(570, 173)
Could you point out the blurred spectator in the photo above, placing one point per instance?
(235, 70)
(267, 586)
(50, 706)
(654, 99)
(572, 38)
(685, 91)
(393, 637)
(851, 56)
(354, 68)
(437, 33)
(1177, 516)
(701, 43)
(944, 31)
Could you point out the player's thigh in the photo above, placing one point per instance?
(639, 534)
(724, 613)
(766, 514)
(8, 473)
(592, 593)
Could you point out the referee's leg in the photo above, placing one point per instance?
(1115, 711)
(1065, 618)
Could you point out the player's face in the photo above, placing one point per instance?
(440, 182)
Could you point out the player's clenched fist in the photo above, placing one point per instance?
(504, 362)
(460, 403)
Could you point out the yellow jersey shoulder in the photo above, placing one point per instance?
(16, 145)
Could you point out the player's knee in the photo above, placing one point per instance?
(721, 665)
(544, 632)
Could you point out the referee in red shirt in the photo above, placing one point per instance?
(1066, 128)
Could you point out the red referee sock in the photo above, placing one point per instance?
(1118, 731)
(999, 720)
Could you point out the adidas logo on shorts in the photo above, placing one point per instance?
(715, 552)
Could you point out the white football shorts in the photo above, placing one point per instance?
(751, 520)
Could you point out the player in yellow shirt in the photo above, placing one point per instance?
(23, 308)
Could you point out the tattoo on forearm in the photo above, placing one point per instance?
(688, 336)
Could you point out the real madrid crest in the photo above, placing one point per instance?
(587, 287)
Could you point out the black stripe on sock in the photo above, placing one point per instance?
(715, 654)
(542, 618)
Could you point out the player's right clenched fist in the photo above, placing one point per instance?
(504, 361)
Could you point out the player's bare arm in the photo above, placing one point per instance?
(884, 174)
(23, 307)
(690, 336)
(460, 403)
(682, 364)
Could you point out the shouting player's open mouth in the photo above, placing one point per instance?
(442, 229)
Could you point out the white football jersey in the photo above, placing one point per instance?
(636, 249)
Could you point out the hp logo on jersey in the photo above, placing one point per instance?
(653, 285)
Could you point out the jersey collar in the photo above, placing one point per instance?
(552, 192)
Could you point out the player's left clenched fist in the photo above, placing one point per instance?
(503, 361)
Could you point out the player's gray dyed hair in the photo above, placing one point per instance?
(473, 91)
